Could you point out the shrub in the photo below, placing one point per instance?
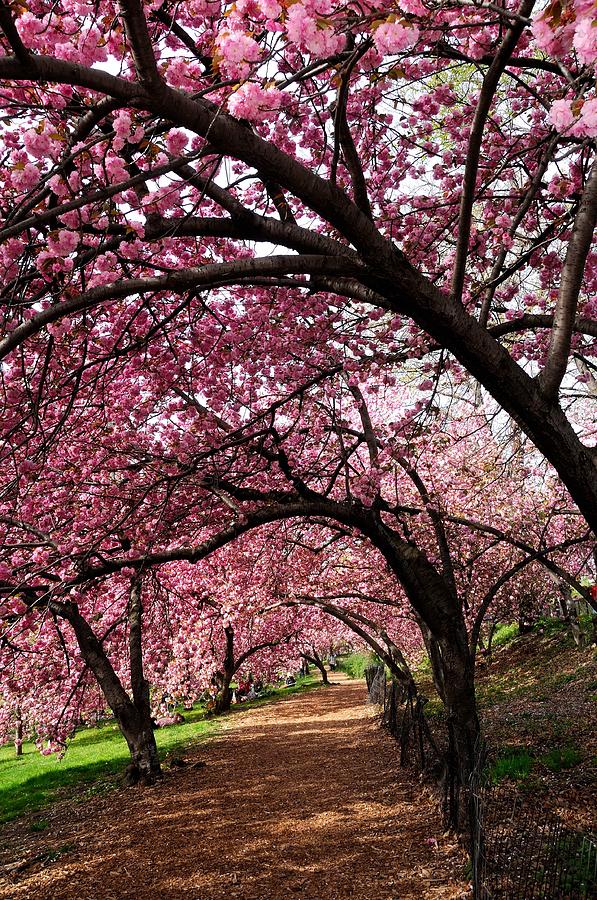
(504, 634)
(354, 664)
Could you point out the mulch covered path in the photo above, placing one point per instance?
(302, 798)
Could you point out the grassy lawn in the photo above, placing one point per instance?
(96, 757)
(354, 664)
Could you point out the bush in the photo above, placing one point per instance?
(504, 634)
(354, 664)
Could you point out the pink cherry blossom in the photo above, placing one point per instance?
(238, 52)
(561, 115)
(392, 37)
(585, 41)
(588, 117)
(254, 103)
(177, 141)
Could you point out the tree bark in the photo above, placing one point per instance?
(141, 739)
(19, 733)
(463, 725)
(137, 730)
(316, 660)
(224, 698)
(440, 612)
(133, 716)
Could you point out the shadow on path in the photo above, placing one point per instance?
(303, 797)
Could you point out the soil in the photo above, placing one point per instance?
(544, 699)
(303, 797)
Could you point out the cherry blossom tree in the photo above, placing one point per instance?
(334, 460)
(426, 163)
(225, 229)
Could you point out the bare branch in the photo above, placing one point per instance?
(572, 274)
(540, 320)
(490, 83)
(140, 43)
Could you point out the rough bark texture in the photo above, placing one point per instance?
(463, 723)
(133, 716)
(138, 730)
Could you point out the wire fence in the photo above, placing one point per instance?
(402, 713)
(516, 853)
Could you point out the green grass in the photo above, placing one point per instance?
(504, 634)
(96, 758)
(514, 764)
(548, 625)
(561, 758)
(434, 708)
(354, 664)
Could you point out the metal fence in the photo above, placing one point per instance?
(516, 854)
(402, 712)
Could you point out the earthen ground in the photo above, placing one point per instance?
(302, 798)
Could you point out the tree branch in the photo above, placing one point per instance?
(210, 276)
(141, 47)
(12, 35)
(572, 275)
(540, 320)
(490, 84)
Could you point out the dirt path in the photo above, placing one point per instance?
(303, 797)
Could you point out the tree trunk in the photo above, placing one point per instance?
(464, 732)
(492, 630)
(138, 733)
(19, 733)
(316, 660)
(133, 716)
(439, 609)
(140, 737)
(224, 698)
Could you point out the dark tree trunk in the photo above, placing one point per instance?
(140, 737)
(316, 660)
(463, 725)
(133, 716)
(224, 698)
(489, 649)
(137, 730)
(524, 626)
(19, 733)
(439, 610)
